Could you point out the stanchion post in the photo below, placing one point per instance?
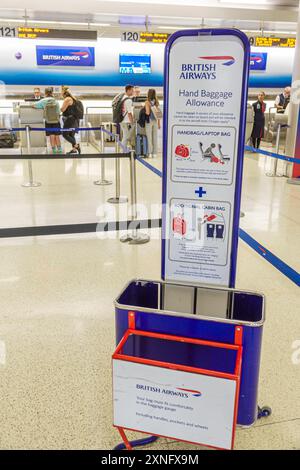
(134, 237)
(102, 181)
(30, 183)
(273, 173)
(87, 125)
(118, 199)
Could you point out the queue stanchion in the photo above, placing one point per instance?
(30, 183)
(134, 237)
(273, 173)
(118, 199)
(102, 181)
(87, 132)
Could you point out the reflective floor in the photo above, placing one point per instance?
(57, 314)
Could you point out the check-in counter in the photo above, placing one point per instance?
(29, 116)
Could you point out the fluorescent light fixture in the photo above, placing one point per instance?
(71, 23)
(133, 20)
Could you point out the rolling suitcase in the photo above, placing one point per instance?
(110, 127)
(141, 145)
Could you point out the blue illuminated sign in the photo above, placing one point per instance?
(135, 63)
(258, 60)
(57, 56)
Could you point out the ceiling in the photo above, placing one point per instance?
(111, 16)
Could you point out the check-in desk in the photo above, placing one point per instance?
(29, 116)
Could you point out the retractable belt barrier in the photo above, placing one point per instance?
(88, 129)
(134, 236)
(272, 154)
(284, 268)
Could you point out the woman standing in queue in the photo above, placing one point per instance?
(259, 108)
(152, 124)
(70, 119)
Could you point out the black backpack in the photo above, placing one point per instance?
(143, 118)
(78, 109)
(117, 108)
(7, 140)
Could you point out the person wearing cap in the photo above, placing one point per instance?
(283, 99)
(54, 134)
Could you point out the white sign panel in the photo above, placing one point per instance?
(204, 96)
(189, 407)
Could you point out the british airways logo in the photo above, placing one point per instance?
(195, 393)
(206, 68)
(258, 61)
(83, 54)
(65, 56)
(229, 60)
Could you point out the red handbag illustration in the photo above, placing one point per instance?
(182, 151)
(179, 225)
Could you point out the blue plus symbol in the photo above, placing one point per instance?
(200, 192)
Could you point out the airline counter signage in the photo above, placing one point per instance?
(57, 56)
(205, 90)
(258, 60)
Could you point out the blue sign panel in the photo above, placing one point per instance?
(135, 63)
(258, 60)
(57, 56)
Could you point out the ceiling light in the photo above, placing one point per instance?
(71, 23)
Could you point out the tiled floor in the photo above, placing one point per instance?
(57, 314)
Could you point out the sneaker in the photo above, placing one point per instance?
(73, 152)
(78, 148)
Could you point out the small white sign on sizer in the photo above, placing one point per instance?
(172, 403)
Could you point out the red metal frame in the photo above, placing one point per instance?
(237, 346)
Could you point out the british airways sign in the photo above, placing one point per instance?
(57, 56)
(206, 69)
(258, 60)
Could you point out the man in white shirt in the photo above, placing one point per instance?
(127, 125)
(283, 99)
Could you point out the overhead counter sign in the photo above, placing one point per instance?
(136, 36)
(265, 41)
(46, 33)
(206, 81)
(57, 56)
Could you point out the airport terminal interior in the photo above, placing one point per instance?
(150, 225)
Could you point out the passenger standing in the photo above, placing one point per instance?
(52, 119)
(259, 108)
(283, 100)
(127, 124)
(37, 95)
(70, 119)
(153, 116)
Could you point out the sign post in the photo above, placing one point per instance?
(205, 90)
